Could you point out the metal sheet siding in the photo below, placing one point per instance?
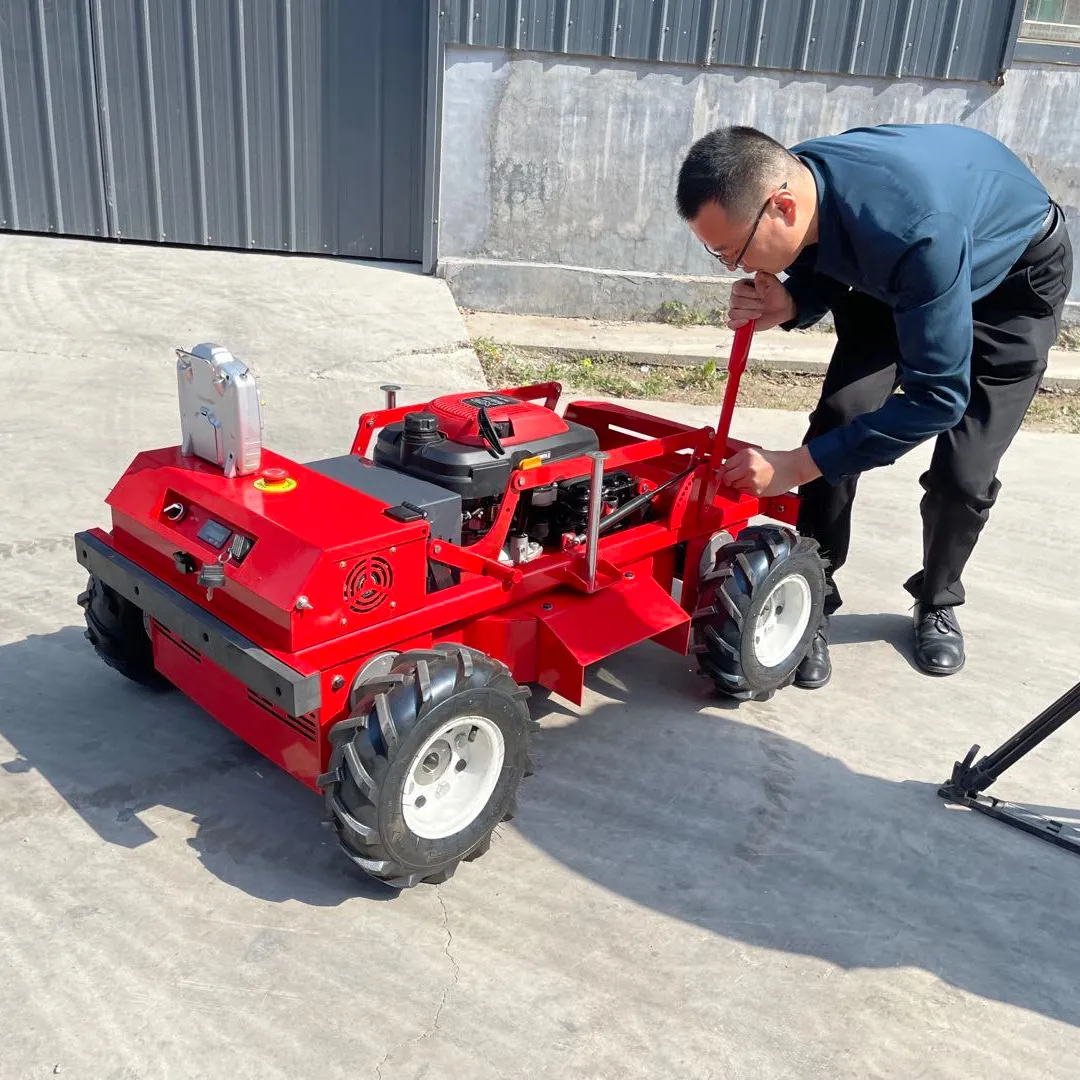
(948, 39)
(50, 160)
(282, 125)
(290, 125)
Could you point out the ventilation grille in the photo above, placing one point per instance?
(183, 646)
(305, 725)
(368, 584)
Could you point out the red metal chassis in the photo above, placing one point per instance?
(545, 619)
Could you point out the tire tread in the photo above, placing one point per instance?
(726, 599)
(115, 629)
(364, 744)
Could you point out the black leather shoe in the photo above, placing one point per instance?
(816, 669)
(939, 643)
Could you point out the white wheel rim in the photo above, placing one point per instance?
(451, 777)
(783, 619)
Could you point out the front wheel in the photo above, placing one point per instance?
(428, 764)
(759, 607)
(117, 629)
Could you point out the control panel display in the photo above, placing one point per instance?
(214, 533)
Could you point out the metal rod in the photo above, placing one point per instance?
(638, 501)
(1028, 737)
(391, 394)
(969, 780)
(596, 498)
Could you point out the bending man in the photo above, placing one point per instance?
(946, 266)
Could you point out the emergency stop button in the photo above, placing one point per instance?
(275, 480)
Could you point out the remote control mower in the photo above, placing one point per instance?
(371, 622)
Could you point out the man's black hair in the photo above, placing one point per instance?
(733, 166)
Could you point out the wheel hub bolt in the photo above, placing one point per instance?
(420, 800)
(461, 765)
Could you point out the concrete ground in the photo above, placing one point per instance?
(662, 343)
(690, 890)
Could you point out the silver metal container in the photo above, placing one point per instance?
(221, 417)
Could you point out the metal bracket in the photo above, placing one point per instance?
(970, 778)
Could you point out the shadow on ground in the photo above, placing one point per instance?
(112, 750)
(721, 820)
(661, 795)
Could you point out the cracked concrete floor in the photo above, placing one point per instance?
(689, 890)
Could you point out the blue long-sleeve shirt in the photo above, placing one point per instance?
(927, 219)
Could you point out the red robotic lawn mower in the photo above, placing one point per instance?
(371, 622)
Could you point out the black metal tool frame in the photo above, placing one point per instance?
(970, 778)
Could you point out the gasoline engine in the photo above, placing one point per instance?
(469, 444)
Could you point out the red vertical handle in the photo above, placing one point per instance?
(740, 353)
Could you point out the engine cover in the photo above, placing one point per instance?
(516, 422)
(470, 443)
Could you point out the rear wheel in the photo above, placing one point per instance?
(759, 607)
(428, 764)
(117, 630)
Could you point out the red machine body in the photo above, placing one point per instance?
(319, 579)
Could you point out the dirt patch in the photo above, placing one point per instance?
(613, 375)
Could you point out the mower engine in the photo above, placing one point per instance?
(470, 444)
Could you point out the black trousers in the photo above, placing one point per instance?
(1014, 328)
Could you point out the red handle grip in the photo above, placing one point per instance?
(740, 353)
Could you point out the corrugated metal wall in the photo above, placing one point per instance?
(951, 39)
(51, 177)
(282, 125)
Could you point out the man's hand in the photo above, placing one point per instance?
(761, 297)
(768, 472)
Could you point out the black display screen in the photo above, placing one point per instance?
(215, 534)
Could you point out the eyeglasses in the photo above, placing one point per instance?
(736, 263)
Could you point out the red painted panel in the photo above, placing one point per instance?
(292, 742)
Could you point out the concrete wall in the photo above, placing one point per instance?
(558, 175)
